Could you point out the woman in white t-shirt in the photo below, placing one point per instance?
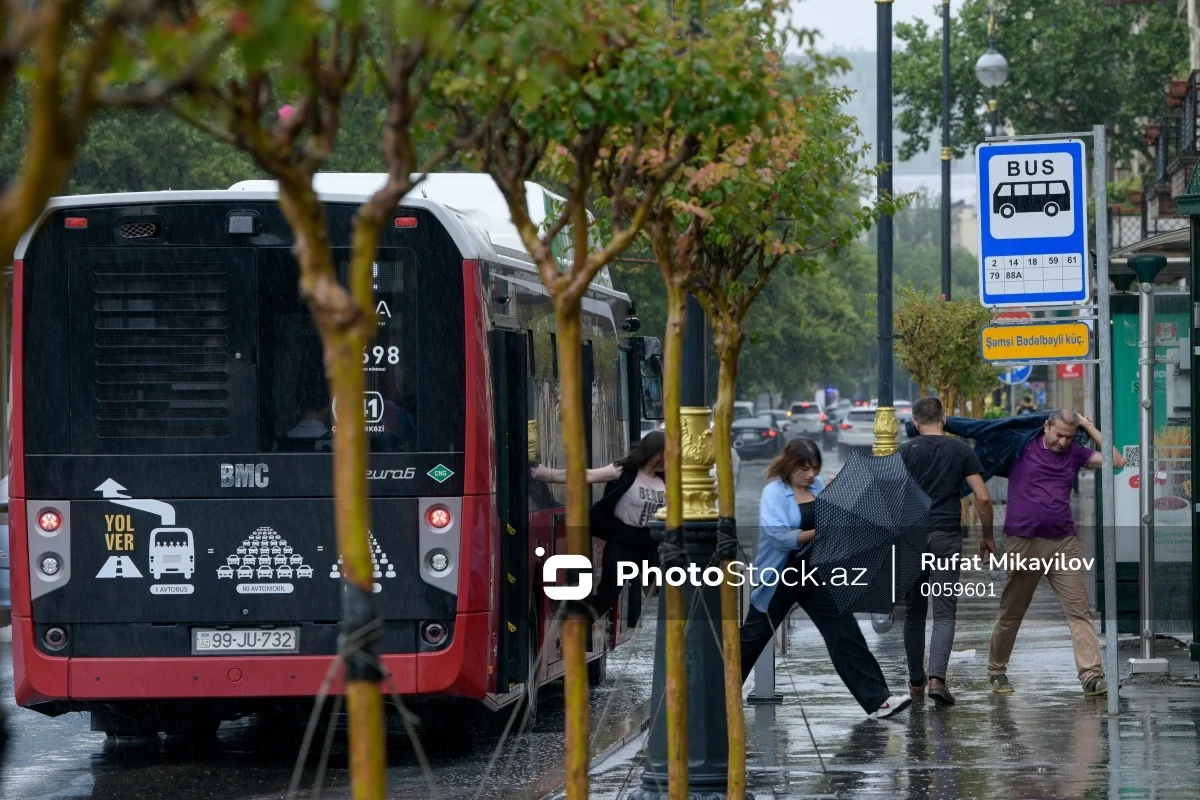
(621, 518)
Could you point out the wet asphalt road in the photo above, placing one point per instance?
(60, 758)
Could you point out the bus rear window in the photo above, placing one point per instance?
(406, 407)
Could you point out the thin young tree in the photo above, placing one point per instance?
(727, 57)
(279, 99)
(600, 89)
(775, 198)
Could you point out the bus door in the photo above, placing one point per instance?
(518, 632)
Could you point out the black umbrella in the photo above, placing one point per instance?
(872, 517)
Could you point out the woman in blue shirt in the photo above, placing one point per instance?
(787, 522)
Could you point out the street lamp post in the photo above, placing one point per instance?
(886, 430)
(992, 71)
(946, 152)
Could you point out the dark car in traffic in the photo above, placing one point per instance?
(757, 437)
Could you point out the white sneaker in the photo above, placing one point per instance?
(894, 705)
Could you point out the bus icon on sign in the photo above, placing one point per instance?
(1031, 197)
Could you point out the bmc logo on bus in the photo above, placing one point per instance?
(244, 476)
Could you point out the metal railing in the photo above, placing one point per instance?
(1187, 119)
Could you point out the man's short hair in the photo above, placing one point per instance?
(1064, 415)
(927, 411)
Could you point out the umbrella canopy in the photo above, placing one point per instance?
(871, 517)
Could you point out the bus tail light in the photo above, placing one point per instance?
(438, 517)
(439, 534)
(48, 537)
(405, 222)
(75, 223)
(49, 520)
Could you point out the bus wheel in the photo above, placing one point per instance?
(1051, 209)
(1007, 212)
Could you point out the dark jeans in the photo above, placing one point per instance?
(848, 651)
(943, 544)
(619, 548)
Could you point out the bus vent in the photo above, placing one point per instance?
(139, 230)
(161, 333)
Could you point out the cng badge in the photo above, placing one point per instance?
(441, 473)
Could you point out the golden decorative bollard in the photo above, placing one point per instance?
(887, 432)
(698, 455)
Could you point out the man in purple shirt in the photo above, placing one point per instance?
(1039, 528)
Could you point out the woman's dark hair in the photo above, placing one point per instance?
(647, 448)
(800, 452)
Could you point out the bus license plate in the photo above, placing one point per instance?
(253, 640)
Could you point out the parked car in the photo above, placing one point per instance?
(757, 437)
(807, 419)
(743, 409)
(856, 431)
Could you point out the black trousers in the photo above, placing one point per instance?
(848, 650)
(625, 546)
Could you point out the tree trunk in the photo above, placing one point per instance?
(575, 626)
(343, 327)
(676, 615)
(727, 509)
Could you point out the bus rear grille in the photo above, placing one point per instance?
(162, 350)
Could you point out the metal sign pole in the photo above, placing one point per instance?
(1147, 268)
(1108, 511)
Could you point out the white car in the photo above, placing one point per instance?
(280, 559)
(249, 561)
(265, 572)
(287, 551)
(283, 572)
(304, 571)
(233, 561)
(264, 561)
(806, 419)
(856, 431)
(224, 572)
(241, 551)
(245, 572)
(297, 560)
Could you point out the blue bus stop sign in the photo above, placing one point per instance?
(1032, 223)
(1015, 376)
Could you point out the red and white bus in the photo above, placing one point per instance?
(174, 560)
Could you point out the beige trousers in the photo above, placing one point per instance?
(1071, 588)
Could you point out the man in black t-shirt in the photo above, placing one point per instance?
(939, 464)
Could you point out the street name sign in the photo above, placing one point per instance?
(1032, 223)
(1041, 341)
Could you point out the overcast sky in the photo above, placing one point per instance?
(850, 24)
